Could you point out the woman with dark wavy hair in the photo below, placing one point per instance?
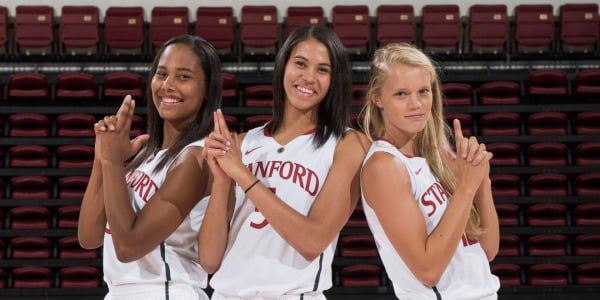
(146, 215)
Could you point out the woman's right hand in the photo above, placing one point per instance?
(215, 146)
(468, 151)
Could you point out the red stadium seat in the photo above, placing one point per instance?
(72, 187)
(230, 89)
(357, 219)
(587, 154)
(586, 214)
(79, 277)
(457, 93)
(587, 274)
(255, 121)
(166, 23)
(505, 154)
(69, 248)
(466, 121)
(28, 86)
(357, 245)
(298, 16)
(217, 26)
(3, 30)
(30, 187)
(32, 277)
(76, 86)
(29, 156)
(547, 185)
(29, 125)
(587, 82)
(118, 84)
(534, 28)
(352, 24)
(441, 28)
(509, 274)
(510, 245)
(395, 24)
(361, 275)
(124, 30)
(500, 123)
(30, 217)
(68, 216)
(547, 154)
(587, 122)
(506, 185)
(488, 28)
(259, 30)
(260, 95)
(499, 93)
(579, 27)
(75, 156)
(75, 125)
(34, 29)
(31, 247)
(586, 244)
(546, 214)
(546, 245)
(547, 123)
(80, 29)
(547, 82)
(508, 214)
(549, 274)
(587, 184)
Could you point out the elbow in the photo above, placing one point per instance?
(310, 255)
(126, 254)
(208, 265)
(491, 252)
(429, 278)
(311, 251)
(87, 241)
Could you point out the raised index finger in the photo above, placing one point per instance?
(458, 134)
(220, 121)
(125, 113)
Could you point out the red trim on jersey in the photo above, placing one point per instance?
(267, 131)
(107, 230)
(392, 143)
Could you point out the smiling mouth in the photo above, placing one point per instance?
(170, 100)
(305, 90)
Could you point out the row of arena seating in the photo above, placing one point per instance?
(35, 87)
(36, 32)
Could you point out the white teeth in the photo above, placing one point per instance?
(305, 90)
(170, 100)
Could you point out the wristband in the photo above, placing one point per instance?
(252, 185)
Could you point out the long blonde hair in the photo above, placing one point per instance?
(433, 139)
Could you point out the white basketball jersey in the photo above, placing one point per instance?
(176, 259)
(258, 263)
(468, 274)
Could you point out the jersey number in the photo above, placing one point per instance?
(264, 222)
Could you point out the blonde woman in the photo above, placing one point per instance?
(430, 211)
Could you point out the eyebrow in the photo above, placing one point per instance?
(178, 69)
(304, 58)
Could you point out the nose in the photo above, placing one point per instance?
(415, 101)
(166, 84)
(308, 75)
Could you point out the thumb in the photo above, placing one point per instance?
(139, 141)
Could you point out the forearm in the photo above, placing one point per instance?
(117, 203)
(490, 238)
(213, 234)
(92, 216)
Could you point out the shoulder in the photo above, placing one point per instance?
(382, 162)
(354, 141)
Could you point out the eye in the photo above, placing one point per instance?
(324, 70)
(183, 77)
(160, 74)
(424, 91)
(300, 63)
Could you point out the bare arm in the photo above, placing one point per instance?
(490, 239)
(213, 234)
(92, 217)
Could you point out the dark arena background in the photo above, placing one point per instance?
(523, 77)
